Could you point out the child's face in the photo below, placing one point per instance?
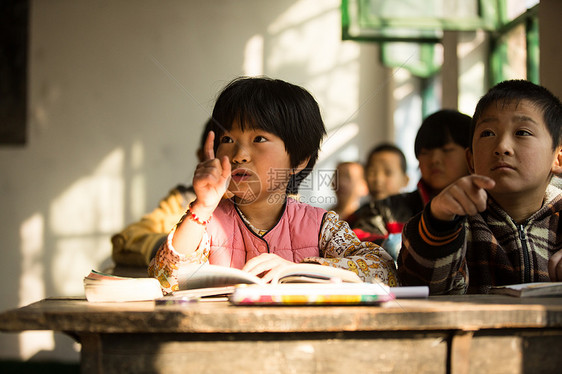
(384, 175)
(349, 181)
(512, 145)
(260, 164)
(441, 166)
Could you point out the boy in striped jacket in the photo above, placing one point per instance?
(501, 224)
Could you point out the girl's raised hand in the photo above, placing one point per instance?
(211, 177)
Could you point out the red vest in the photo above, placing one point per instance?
(294, 237)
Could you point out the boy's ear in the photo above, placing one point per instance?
(557, 162)
(469, 160)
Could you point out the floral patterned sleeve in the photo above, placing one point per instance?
(340, 247)
(165, 265)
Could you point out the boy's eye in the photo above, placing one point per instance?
(523, 133)
(260, 139)
(226, 139)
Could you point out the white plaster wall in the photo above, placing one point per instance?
(118, 92)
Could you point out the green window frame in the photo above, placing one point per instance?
(373, 21)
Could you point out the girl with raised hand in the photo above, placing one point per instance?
(265, 140)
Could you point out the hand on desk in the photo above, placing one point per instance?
(268, 263)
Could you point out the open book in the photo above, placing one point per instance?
(103, 287)
(529, 289)
(298, 284)
(200, 280)
(205, 275)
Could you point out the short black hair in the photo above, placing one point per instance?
(281, 108)
(504, 93)
(442, 127)
(389, 147)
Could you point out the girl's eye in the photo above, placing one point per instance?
(259, 139)
(486, 133)
(226, 139)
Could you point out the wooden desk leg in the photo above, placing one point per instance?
(90, 354)
(460, 352)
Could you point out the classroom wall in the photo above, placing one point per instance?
(118, 93)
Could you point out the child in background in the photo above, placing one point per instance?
(386, 171)
(440, 149)
(500, 225)
(136, 244)
(350, 187)
(265, 139)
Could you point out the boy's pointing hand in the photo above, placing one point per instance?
(464, 197)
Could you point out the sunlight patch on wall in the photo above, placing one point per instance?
(82, 220)
(92, 203)
(338, 91)
(253, 56)
(305, 41)
(32, 233)
(300, 13)
(337, 139)
(137, 193)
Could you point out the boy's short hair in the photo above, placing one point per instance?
(388, 147)
(516, 90)
(442, 127)
(281, 108)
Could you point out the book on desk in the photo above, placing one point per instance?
(203, 280)
(105, 287)
(538, 289)
(298, 284)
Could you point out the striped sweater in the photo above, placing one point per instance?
(471, 254)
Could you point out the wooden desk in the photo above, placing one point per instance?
(472, 334)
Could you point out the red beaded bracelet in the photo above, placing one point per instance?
(196, 218)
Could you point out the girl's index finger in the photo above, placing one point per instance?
(208, 151)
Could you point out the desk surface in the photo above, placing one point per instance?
(471, 312)
(447, 334)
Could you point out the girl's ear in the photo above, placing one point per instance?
(469, 160)
(557, 162)
(301, 166)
